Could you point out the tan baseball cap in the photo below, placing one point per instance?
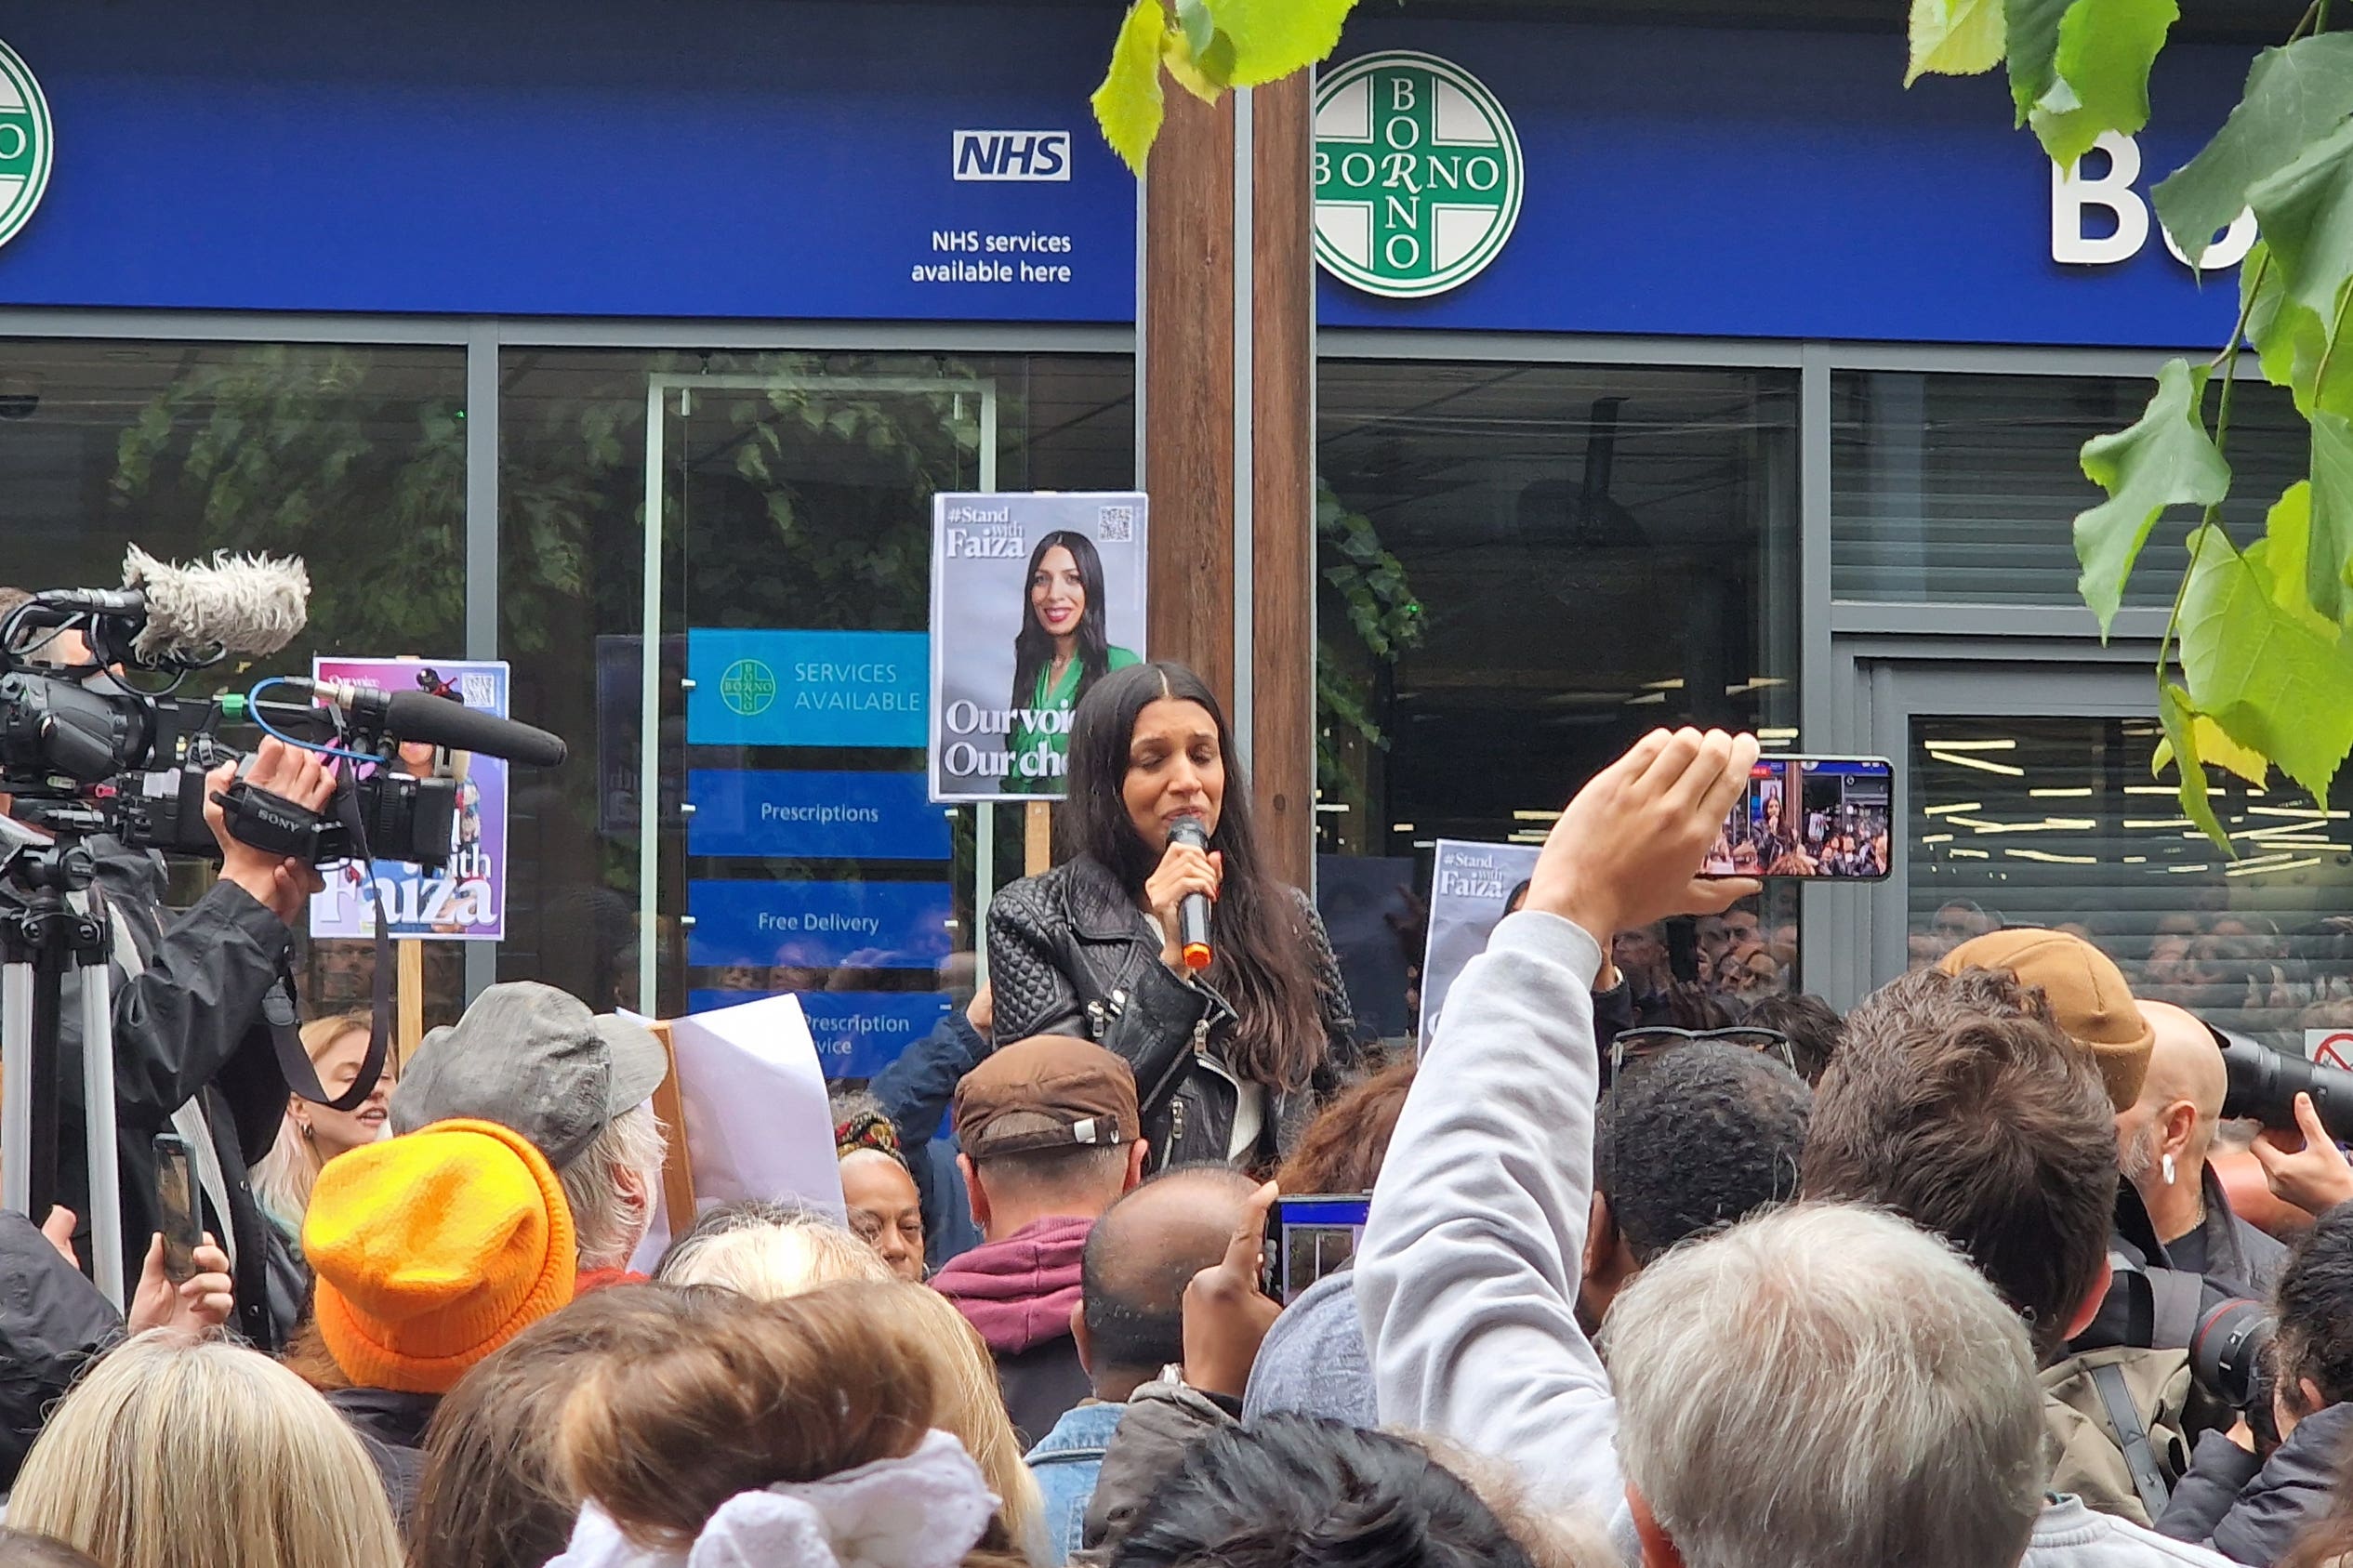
(1051, 1092)
(2087, 994)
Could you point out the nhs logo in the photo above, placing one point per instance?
(1012, 155)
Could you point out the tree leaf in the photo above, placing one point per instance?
(1195, 22)
(2274, 681)
(2305, 211)
(2329, 556)
(1954, 38)
(1273, 38)
(2180, 745)
(1129, 106)
(1205, 78)
(2293, 96)
(2032, 29)
(2280, 558)
(2101, 73)
(2164, 459)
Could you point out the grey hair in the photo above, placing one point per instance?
(609, 1217)
(1823, 1386)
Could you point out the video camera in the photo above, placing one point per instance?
(68, 734)
(2264, 1084)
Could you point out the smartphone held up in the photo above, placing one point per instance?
(183, 1225)
(1822, 817)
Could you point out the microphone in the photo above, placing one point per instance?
(420, 716)
(249, 604)
(1193, 911)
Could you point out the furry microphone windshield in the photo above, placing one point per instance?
(237, 604)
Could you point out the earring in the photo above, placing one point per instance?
(2167, 1163)
(310, 1134)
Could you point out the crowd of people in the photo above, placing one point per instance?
(1974, 1276)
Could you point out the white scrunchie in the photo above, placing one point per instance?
(923, 1510)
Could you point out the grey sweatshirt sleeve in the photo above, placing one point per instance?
(1468, 1271)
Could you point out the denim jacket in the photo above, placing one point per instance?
(1066, 1464)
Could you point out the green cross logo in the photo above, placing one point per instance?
(27, 141)
(747, 687)
(1417, 175)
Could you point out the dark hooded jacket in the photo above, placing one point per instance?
(52, 1321)
(2254, 1511)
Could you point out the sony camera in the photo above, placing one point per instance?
(84, 732)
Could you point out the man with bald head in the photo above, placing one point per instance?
(2162, 1140)
(1129, 1323)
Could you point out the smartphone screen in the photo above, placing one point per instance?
(1826, 818)
(175, 1199)
(1309, 1237)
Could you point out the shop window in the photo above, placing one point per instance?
(797, 495)
(353, 457)
(1524, 567)
(2057, 822)
(1960, 489)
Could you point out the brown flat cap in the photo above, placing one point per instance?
(1050, 1092)
(2088, 996)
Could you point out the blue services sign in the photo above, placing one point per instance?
(807, 687)
(857, 1033)
(818, 925)
(814, 816)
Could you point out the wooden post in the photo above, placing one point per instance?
(1038, 837)
(1283, 476)
(1187, 341)
(408, 1000)
(677, 1168)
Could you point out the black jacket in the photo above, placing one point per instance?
(1069, 953)
(2253, 1511)
(391, 1427)
(1042, 1384)
(52, 1321)
(189, 1025)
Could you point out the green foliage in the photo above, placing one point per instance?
(1208, 47)
(2100, 74)
(2276, 679)
(1954, 38)
(1382, 613)
(2264, 635)
(2165, 459)
(2295, 95)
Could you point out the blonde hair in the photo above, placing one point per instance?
(770, 1263)
(281, 1182)
(748, 1394)
(776, 1262)
(181, 1452)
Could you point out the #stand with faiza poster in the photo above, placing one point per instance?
(1034, 598)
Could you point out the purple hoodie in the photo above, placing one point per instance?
(1019, 1292)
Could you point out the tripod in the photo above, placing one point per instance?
(42, 935)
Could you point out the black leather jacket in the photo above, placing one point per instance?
(1069, 953)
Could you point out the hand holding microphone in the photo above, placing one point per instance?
(1181, 893)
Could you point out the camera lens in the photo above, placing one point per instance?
(2227, 1352)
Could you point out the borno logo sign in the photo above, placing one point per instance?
(27, 141)
(1417, 175)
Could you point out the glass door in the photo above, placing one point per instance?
(790, 586)
(2029, 799)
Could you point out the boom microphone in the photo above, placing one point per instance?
(185, 615)
(420, 716)
(249, 604)
(1193, 910)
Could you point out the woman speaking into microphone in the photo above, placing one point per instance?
(1230, 1059)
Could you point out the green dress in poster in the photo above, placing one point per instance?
(1051, 748)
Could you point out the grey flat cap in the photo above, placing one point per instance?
(531, 1057)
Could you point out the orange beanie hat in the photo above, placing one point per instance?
(433, 1250)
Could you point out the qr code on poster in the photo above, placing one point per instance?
(1115, 526)
(479, 689)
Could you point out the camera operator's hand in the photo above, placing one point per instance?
(2304, 1167)
(197, 1305)
(1628, 850)
(1226, 1315)
(279, 884)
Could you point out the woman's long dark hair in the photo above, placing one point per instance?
(1263, 962)
(1035, 646)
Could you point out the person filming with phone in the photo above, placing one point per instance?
(1161, 936)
